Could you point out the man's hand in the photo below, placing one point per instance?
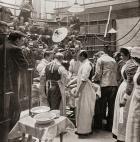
(76, 94)
(124, 100)
(97, 97)
(47, 36)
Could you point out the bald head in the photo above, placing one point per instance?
(99, 54)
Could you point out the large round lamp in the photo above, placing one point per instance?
(112, 31)
(76, 8)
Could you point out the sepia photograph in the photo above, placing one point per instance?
(69, 70)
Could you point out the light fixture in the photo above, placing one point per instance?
(112, 31)
(76, 8)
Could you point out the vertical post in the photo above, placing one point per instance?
(61, 137)
(109, 14)
(4, 98)
(45, 10)
(15, 8)
(29, 90)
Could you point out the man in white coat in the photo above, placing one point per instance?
(106, 75)
(41, 70)
(87, 96)
(43, 63)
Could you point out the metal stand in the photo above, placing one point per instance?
(29, 93)
(61, 137)
(29, 84)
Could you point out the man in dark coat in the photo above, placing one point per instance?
(15, 62)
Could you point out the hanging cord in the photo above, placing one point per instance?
(67, 16)
(85, 22)
(128, 40)
(121, 37)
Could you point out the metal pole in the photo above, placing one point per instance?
(4, 67)
(29, 86)
(110, 10)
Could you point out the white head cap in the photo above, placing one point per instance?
(135, 52)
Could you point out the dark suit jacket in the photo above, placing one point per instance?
(15, 61)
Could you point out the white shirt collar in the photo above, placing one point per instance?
(86, 60)
(56, 61)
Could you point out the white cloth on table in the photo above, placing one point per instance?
(42, 132)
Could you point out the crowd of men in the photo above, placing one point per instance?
(99, 91)
(94, 110)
